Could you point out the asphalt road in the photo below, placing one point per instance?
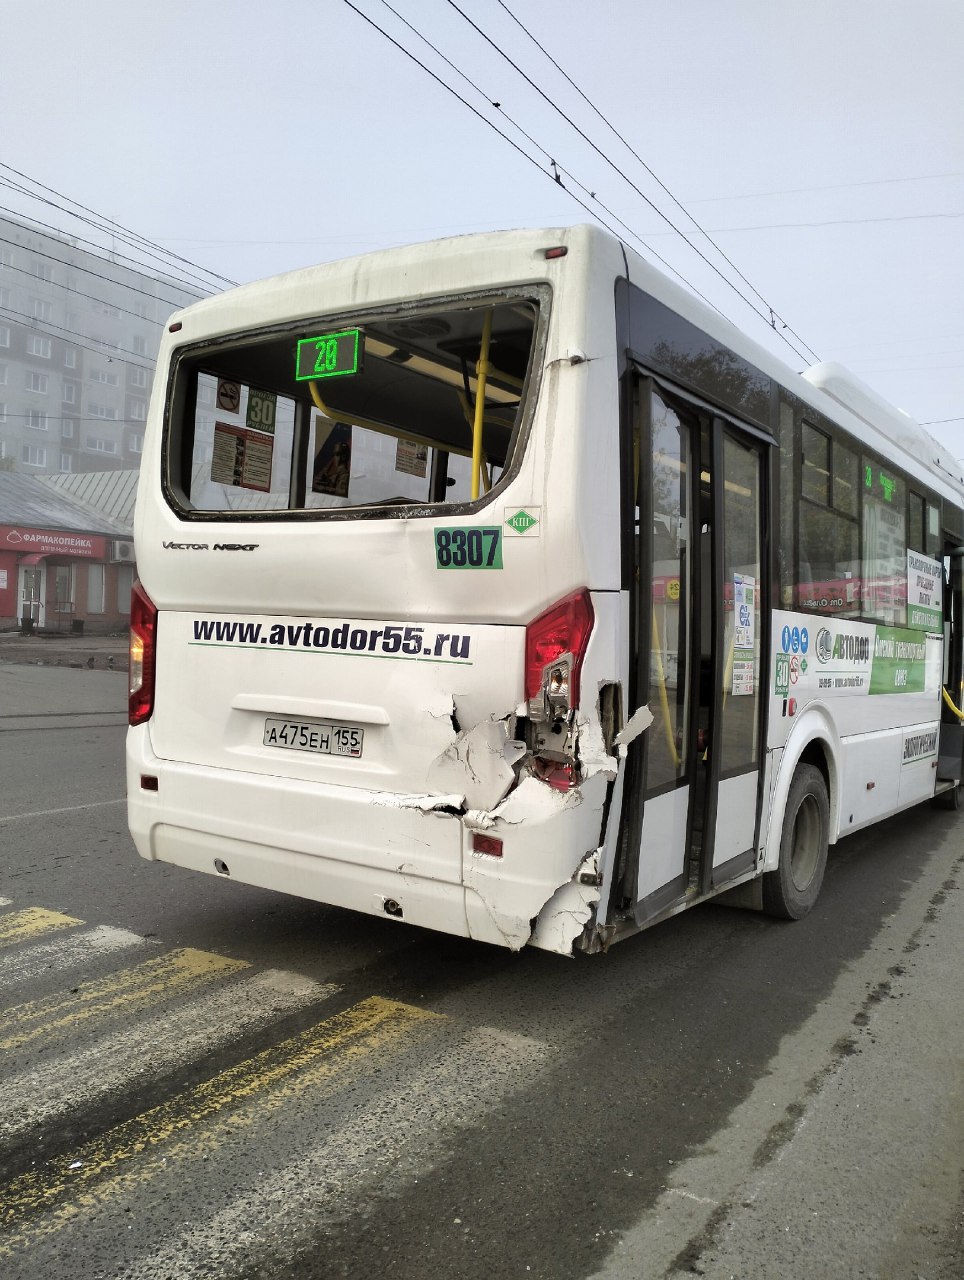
(201, 1079)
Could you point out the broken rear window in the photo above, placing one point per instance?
(359, 412)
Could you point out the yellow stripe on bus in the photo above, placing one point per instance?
(125, 991)
(30, 923)
(201, 1118)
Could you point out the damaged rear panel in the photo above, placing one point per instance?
(369, 638)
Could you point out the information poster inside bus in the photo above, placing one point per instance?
(925, 602)
(241, 458)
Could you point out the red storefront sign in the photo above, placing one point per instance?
(23, 540)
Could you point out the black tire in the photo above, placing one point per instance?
(791, 890)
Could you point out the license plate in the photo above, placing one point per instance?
(312, 735)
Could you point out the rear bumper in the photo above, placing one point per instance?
(375, 852)
(332, 844)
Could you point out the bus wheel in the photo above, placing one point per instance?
(791, 890)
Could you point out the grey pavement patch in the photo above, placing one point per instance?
(845, 1158)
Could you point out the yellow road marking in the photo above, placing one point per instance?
(32, 922)
(89, 1176)
(130, 989)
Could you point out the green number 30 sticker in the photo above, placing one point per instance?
(474, 548)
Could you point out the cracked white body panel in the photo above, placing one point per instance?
(637, 723)
(540, 828)
(480, 760)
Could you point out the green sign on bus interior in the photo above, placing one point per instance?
(330, 355)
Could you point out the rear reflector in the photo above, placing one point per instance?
(557, 251)
(491, 846)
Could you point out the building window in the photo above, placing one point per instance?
(138, 411)
(64, 588)
(6, 257)
(3, 375)
(100, 446)
(34, 456)
(140, 345)
(95, 588)
(68, 428)
(42, 270)
(70, 393)
(102, 411)
(6, 297)
(42, 310)
(106, 309)
(70, 358)
(36, 419)
(4, 335)
(3, 412)
(135, 444)
(125, 584)
(38, 346)
(66, 462)
(38, 382)
(138, 377)
(103, 377)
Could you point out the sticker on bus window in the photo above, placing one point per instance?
(331, 471)
(468, 548)
(262, 411)
(241, 458)
(411, 458)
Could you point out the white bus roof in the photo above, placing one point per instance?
(502, 258)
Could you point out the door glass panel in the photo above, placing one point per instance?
(739, 737)
(670, 539)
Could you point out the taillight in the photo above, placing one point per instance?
(140, 705)
(555, 647)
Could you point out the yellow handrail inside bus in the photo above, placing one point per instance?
(469, 415)
(482, 369)
(950, 702)
(663, 699)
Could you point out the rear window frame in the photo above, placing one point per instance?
(174, 436)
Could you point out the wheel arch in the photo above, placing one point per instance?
(813, 740)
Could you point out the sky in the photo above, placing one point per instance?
(820, 143)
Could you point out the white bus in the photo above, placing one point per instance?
(498, 586)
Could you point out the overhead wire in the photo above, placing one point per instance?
(659, 182)
(110, 225)
(505, 137)
(770, 319)
(104, 349)
(177, 303)
(90, 297)
(192, 282)
(557, 169)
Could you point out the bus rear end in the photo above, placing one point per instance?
(369, 636)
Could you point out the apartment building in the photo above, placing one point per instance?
(79, 333)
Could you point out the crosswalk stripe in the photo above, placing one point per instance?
(65, 1083)
(125, 991)
(283, 1203)
(201, 1118)
(32, 922)
(18, 967)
